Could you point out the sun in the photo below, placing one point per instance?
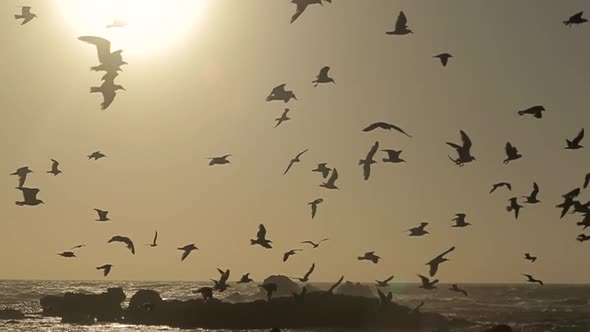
(150, 26)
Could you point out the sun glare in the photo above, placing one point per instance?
(141, 27)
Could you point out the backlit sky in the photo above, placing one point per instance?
(203, 96)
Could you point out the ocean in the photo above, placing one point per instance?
(527, 308)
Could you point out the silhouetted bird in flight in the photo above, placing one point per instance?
(572, 194)
(116, 24)
(586, 180)
(334, 286)
(29, 197)
(221, 284)
(536, 111)
(109, 61)
(419, 230)
(67, 254)
(426, 283)
(385, 126)
(315, 245)
(314, 206)
(583, 238)
(384, 299)
(78, 246)
(109, 92)
(581, 208)
(154, 241)
(123, 239)
(384, 283)
(279, 93)
(269, 288)
(206, 292)
(368, 161)
(106, 269)
(455, 288)
(331, 183)
(575, 19)
(290, 253)
(187, 250)
(393, 156)
(102, 215)
(401, 26)
(369, 256)
(463, 151)
(511, 153)
(22, 172)
(323, 77)
(514, 206)
(324, 169)
(444, 58)
(528, 257)
(295, 160)
(567, 203)
(302, 5)
(575, 143)
(460, 220)
(532, 280)
(532, 198)
(25, 14)
(54, 167)
(501, 184)
(261, 238)
(436, 261)
(245, 279)
(585, 222)
(219, 160)
(307, 274)
(283, 118)
(96, 155)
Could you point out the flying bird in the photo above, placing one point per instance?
(219, 160)
(54, 168)
(384, 283)
(221, 284)
(331, 183)
(575, 19)
(460, 220)
(314, 206)
(109, 61)
(290, 253)
(511, 153)
(583, 238)
(109, 92)
(96, 155)
(269, 288)
(22, 172)
(574, 144)
(532, 280)
(384, 299)
(154, 241)
(279, 93)
(306, 276)
(514, 206)
(206, 292)
(426, 283)
(444, 58)
(532, 198)
(536, 111)
(106, 269)
(283, 118)
(528, 257)
(385, 126)
(123, 239)
(261, 238)
(368, 161)
(102, 215)
(29, 197)
(78, 246)
(116, 24)
(436, 261)
(501, 184)
(313, 244)
(393, 156)
(455, 288)
(302, 5)
(369, 256)
(295, 160)
(187, 250)
(245, 279)
(334, 286)
(567, 203)
(586, 180)
(401, 26)
(323, 77)
(463, 151)
(324, 169)
(67, 254)
(419, 230)
(25, 14)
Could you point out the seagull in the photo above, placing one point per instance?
(511, 153)
(401, 26)
(302, 5)
(187, 250)
(324, 169)
(383, 299)
(25, 14)
(460, 220)
(283, 118)
(393, 156)
(575, 19)
(331, 184)
(279, 93)
(575, 143)
(514, 206)
(261, 238)
(436, 261)
(528, 257)
(221, 284)
(444, 58)
(108, 90)
(306, 276)
(532, 198)
(78, 247)
(102, 215)
(583, 238)
(154, 241)
(585, 222)
(456, 288)
(206, 292)
(323, 77)
(566, 205)
(295, 160)
(116, 24)
(370, 256)
(22, 172)
(368, 161)
(109, 61)
(426, 283)
(314, 206)
(581, 208)
(67, 254)
(586, 180)
(501, 184)
(245, 279)
(54, 168)
(384, 283)
(269, 288)
(290, 253)
(219, 160)
(532, 280)
(123, 239)
(385, 126)
(107, 269)
(334, 286)
(315, 245)
(463, 151)
(419, 230)
(536, 111)
(96, 155)
(29, 196)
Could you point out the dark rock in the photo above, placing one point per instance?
(500, 328)
(8, 313)
(82, 308)
(355, 289)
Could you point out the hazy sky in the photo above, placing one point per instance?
(204, 96)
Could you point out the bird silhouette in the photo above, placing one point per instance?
(187, 250)
(123, 239)
(444, 58)
(536, 111)
(54, 168)
(574, 144)
(302, 5)
(67, 254)
(567, 203)
(154, 241)
(324, 169)
(307, 274)
(283, 118)
(323, 77)
(501, 184)
(455, 288)
(221, 284)
(401, 26)
(331, 183)
(109, 61)
(245, 279)
(369, 256)
(511, 153)
(368, 161)
(116, 24)
(436, 261)
(219, 160)
(334, 286)
(514, 206)
(384, 299)
(109, 92)
(261, 238)
(583, 238)
(25, 14)
(78, 246)
(463, 151)
(22, 172)
(532, 280)
(295, 160)
(532, 198)
(384, 283)
(575, 19)
(29, 197)
(279, 93)
(419, 230)
(585, 222)
(586, 180)
(528, 257)
(96, 155)
(572, 194)
(206, 293)
(269, 288)
(314, 206)
(106, 269)
(102, 215)
(313, 244)
(290, 253)
(385, 126)
(393, 156)
(426, 283)
(460, 220)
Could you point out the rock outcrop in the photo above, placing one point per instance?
(85, 308)
(11, 314)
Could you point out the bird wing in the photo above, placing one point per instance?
(286, 256)
(185, 255)
(130, 245)
(289, 167)
(301, 153)
(30, 194)
(333, 178)
(155, 237)
(433, 268)
(579, 138)
(261, 235)
(278, 89)
(372, 152)
(366, 170)
(314, 208)
(394, 127)
(301, 6)
(310, 271)
(425, 281)
(535, 189)
(324, 72)
(309, 242)
(454, 146)
(333, 287)
(388, 279)
(21, 179)
(446, 252)
(324, 239)
(586, 180)
(466, 140)
(401, 22)
(372, 126)
(510, 150)
(577, 16)
(103, 46)
(26, 10)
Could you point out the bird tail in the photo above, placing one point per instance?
(253, 242)
(94, 89)
(521, 113)
(509, 208)
(18, 16)
(19, 203)
(360, 258)
(362, 161)
(534, 259)
(566, 23)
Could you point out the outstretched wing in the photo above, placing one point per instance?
(261, 235)
(402, 21)
(372, 126)
(301, 6)
(103, 46)
(301, 153)
(424, 280)
(333, 178)
(278, 89)
(310, 271)
(466, 140)
(577, 16)
(372, 152)
(324, 72)
(579, 138)
(336, 285)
